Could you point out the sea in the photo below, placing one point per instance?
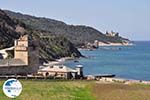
(128, 62)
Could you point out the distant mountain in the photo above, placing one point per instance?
(78, 35)
(51, 46)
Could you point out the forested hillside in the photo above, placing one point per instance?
(51, 46)
(78, 35)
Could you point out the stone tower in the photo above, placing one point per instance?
(26, 58)
(21, 49)
(28, 52)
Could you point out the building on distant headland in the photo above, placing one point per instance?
(91, 46)
(25, 61)
(96, 43)
(112, 34)
(62, 71)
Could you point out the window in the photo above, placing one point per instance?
(60, 67)
(51, 67)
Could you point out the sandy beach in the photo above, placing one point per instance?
(58, 61)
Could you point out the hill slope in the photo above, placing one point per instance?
(51, 46)
(7, 30)
(76, 34)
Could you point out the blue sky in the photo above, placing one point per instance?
(131, 18)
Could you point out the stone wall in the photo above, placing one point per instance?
(14, 70)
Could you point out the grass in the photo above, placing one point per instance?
(79, 90)
(53, 90)
(119, 91)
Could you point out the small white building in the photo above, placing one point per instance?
(60, 71)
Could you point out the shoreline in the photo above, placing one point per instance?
(59, 61)
(117, 44)
(124, 81)
(103, 79)
(107, 45)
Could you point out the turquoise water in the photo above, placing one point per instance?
(131, 62)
